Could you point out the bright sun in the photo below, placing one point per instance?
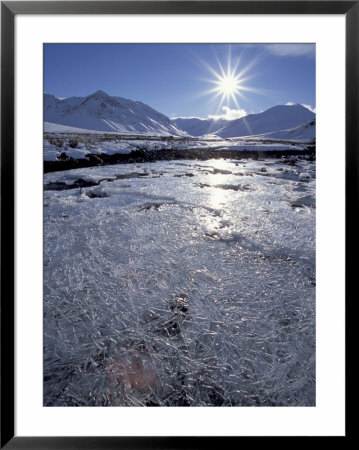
(228, 80)
(228, 85)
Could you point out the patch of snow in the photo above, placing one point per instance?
(57, 128)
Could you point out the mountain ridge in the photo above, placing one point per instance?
(104, 113)
(276, 118)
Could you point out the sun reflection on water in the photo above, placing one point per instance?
(218, 199)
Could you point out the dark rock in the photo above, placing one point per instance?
(301, 202)
(96, 194)
(63, 156)
(180, 304)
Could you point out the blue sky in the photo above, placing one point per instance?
(182, 80)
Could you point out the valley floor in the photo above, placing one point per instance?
(180, 283)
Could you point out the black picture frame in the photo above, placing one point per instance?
(9, 9)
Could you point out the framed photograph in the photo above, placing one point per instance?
(175, 182)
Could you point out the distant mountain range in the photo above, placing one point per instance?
(101, 112)
(200, 127)
(281, 117)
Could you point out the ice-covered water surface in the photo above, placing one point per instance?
(180, 283)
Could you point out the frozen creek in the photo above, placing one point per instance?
(182, 283)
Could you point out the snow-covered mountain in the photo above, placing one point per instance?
(281, 117)
(302, 133)
(199, 127)
(101, 112)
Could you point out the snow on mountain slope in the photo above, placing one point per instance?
(281, 117)
(101, 112)
(302, 133)
(57, 128)
(199, 127)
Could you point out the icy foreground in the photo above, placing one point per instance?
(180, 283)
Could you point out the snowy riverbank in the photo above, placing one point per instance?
(69, 151)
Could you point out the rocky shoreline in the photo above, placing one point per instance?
(143, 155)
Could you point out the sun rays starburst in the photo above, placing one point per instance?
(228, 86)
(229, 80)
